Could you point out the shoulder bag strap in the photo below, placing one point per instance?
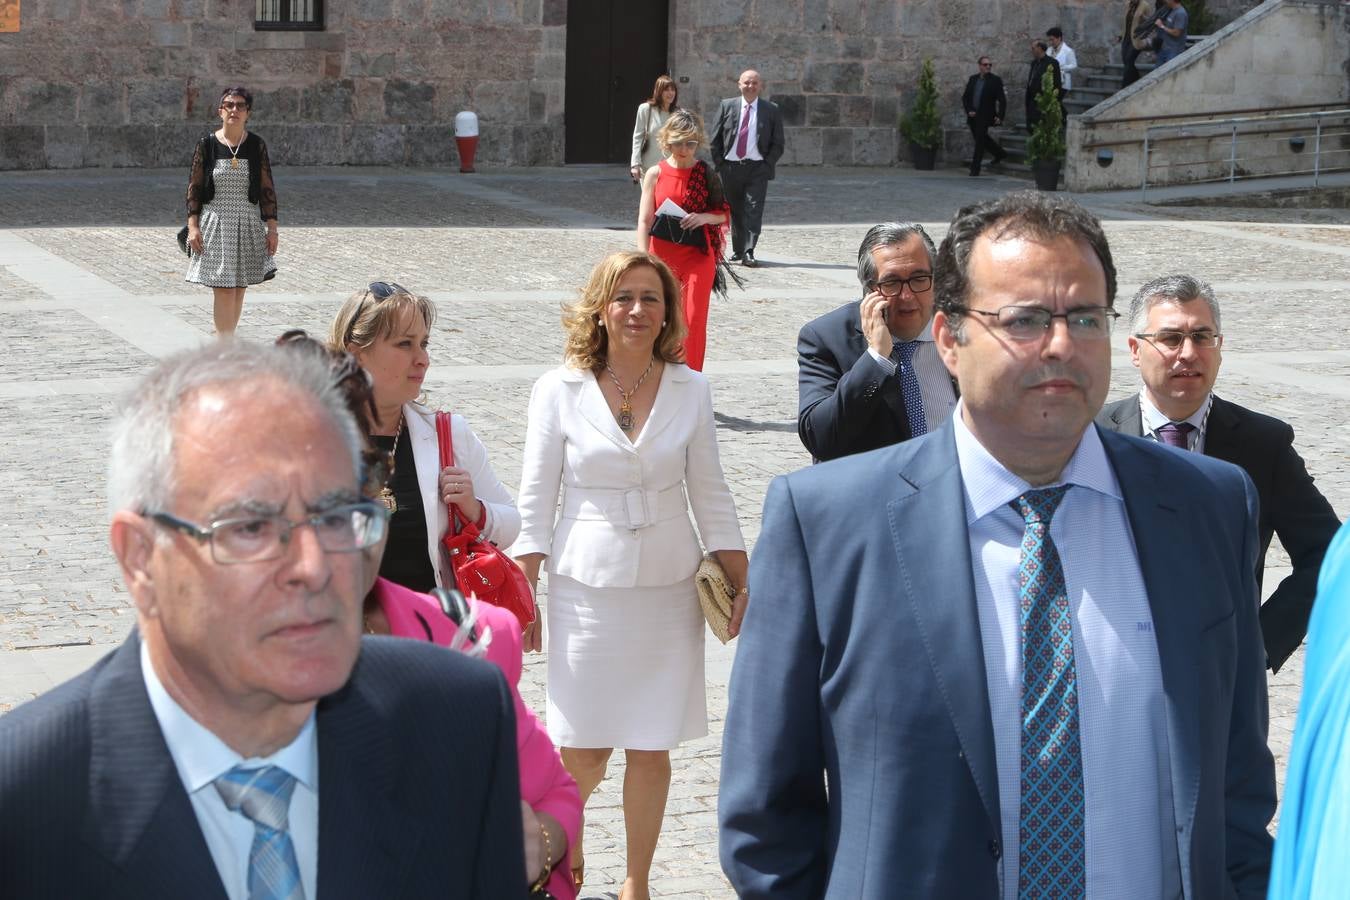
(447, 444)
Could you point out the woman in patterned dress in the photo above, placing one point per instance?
(232, 211)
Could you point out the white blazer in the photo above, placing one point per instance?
(503, 519)
(623, 520)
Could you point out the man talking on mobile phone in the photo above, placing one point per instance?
(868, 373)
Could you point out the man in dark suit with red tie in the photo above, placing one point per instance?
(747, 142)
(1176, 344)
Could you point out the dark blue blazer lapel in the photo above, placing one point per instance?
(890, 388)
(364, 847)
(1161, 537)
(140, 816)
(928, 524)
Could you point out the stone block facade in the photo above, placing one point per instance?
(133, 82)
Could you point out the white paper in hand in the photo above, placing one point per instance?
(669, 207)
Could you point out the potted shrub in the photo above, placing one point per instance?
(922, 125)
(1045, 147)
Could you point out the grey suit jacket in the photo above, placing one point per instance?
(93, 805)
(770, 132)
(858, 757)
(1291, 506)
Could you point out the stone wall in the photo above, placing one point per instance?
(844, 71)
(1282, 54)
(135, 82)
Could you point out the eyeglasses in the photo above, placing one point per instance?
(986, 65)
(1172, 340)
(249, 539)
(233, 104)
(1031, 323)
(691, 144)
(891, 287)
(380, 290)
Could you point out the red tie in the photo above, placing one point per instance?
(743, 139)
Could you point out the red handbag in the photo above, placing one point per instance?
(480, 568)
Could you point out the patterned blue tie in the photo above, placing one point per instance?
(264, 796)
(903, 354)
(1052, 809)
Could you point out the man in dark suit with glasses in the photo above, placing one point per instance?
(868, 373)
(1176, 344)
(985, 102)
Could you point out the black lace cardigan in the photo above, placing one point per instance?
(202, 187)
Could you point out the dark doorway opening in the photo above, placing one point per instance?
(615, 51)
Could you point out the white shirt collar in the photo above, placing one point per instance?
(1153, 419)
(989, 486)
(201, 757)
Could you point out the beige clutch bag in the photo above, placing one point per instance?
(715, 595)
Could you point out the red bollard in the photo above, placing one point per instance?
(466, 137)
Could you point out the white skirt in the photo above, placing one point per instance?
(625, 666)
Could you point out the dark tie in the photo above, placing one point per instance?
(1051, 855)
(743, 139)
(1176, 434)
(264, 796)
(902, 354)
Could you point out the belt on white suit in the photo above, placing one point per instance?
(632, 509)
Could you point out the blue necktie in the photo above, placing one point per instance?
(264, 796)
(903, 354)
(1051, 856)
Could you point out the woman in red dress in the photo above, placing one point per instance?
(691, 244)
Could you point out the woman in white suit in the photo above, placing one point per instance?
(623, 435)
(387, 328)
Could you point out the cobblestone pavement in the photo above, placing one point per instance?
(91, 293)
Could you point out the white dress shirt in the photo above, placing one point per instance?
(1153, 420)
(201, 758)
(1130, 830)
(1068, 62)
(751, 145)
(935, 383)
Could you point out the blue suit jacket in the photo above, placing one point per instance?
(418, 794)
(860, 668)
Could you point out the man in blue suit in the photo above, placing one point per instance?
(246, 741)
(1017, 657)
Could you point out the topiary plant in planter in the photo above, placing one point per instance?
(922, 125)
(1045, 147)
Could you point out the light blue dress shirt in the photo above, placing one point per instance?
(1153, 420)
(201, 758)
(1130, 830)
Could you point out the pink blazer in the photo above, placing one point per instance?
(544, 783)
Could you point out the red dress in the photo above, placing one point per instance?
(694, 267)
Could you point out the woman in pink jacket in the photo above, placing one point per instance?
(550, 802)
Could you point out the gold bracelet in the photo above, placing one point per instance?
(548, 868)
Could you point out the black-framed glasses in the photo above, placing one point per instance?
(247, 539)
(1031, 323)
(381, 291)
(1173, 340)
(986, 65)
(891, 287)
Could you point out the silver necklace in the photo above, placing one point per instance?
(626, 397)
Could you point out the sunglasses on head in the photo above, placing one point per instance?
(381, 291)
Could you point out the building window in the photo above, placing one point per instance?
(289, 15)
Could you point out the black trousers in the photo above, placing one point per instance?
(980, 131)
(745, 184)
(1129, 54)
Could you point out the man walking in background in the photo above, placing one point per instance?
(985, 103)
(1040, 61)
(747, 142)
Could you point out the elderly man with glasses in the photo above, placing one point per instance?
(1176, 344)
(1017, 657)
(868, 373)
(245, 741)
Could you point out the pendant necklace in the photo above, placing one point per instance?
(386, 493)
(626, 397)
(234, 151)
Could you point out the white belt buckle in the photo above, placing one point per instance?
(635, 507)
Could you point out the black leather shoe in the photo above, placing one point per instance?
(736, 257)
(749, 261)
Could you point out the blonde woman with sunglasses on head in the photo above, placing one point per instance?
(387, 328)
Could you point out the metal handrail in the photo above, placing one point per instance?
(1154, 134)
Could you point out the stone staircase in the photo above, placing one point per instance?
(1091, 86)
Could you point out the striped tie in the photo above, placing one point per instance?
(1051, 847)
(264, 796)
